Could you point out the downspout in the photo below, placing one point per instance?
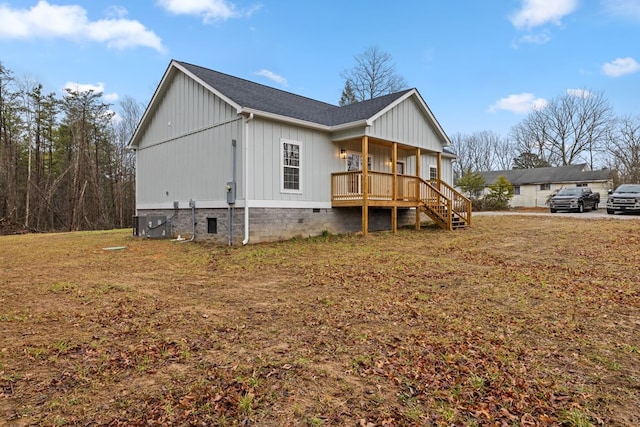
(192, 205)
(245, 166)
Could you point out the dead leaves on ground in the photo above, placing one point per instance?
(508, 323)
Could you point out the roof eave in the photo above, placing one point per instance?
(133, 142)
(286, 119)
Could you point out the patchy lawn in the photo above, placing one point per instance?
(517, 321)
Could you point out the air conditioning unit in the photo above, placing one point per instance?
(157, 227)
(139, 226)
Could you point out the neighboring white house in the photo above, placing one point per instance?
(226, 159)
(532, 187)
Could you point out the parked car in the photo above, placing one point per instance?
(574, 199)
(626, 198)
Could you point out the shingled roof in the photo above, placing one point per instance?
(569, 173)
(251, 95)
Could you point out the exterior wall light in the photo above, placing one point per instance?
(343, 153)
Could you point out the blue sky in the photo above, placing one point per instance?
(480, 65)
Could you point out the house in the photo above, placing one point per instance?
(532, 187)
(226, 159)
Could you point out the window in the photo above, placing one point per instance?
(581, 184)
(516, 190)
(433, 173)
(544, 187)
(354, 161)
(291, 164)
(212, 225)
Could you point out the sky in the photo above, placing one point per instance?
(479, 65)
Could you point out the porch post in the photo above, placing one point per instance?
(439, 165)
(418, 213)
(394, 190)
(365, 185)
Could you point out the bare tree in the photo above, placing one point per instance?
(623, 144)
(11, 129)
(88, 118)
(373, 75)
(123, 174)
(481, 151)
(571, 128)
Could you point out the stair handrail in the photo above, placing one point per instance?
(464, 213)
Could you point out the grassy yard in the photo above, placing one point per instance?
(518, 321)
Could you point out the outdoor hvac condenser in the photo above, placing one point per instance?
(157, 227)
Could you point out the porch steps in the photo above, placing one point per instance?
(440, 215)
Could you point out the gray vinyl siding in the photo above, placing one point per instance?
(319, 159)
(185, 150)
(406, 123)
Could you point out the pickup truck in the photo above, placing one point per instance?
(574, 199)
(626, 198)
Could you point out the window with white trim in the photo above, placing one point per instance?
(433, 173)
(291, 163)
(544, 187)
(516, 190)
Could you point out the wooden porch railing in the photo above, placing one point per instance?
(461, 204)
(440, 201)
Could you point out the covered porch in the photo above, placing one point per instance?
(400, 189)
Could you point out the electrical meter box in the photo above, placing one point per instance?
(231, 192)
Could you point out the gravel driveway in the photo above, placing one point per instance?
(597, 214)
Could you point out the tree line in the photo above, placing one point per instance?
(578, 126)
(64, 163)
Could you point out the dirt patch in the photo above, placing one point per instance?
(509, 322)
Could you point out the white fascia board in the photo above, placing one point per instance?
(160, 89)
(349, 125)
(303, 123)
(286, 119)
(210, 88)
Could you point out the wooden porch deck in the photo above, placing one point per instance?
(441, 202)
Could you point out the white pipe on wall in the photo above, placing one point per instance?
(245, 165)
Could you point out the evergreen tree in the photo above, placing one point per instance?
(499, 194)
(472, 183)
(529, 160)
(348, 96)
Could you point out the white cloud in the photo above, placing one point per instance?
(539, 38)
(87, 87)
(209, 10)
(535, 13)
(70, 22)
(273, 76)
(522, 103)
(580, 93)
(620, 67)
(623, 8)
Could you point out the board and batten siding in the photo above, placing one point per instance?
(319, 158)
(407, 124)
(185, 151)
